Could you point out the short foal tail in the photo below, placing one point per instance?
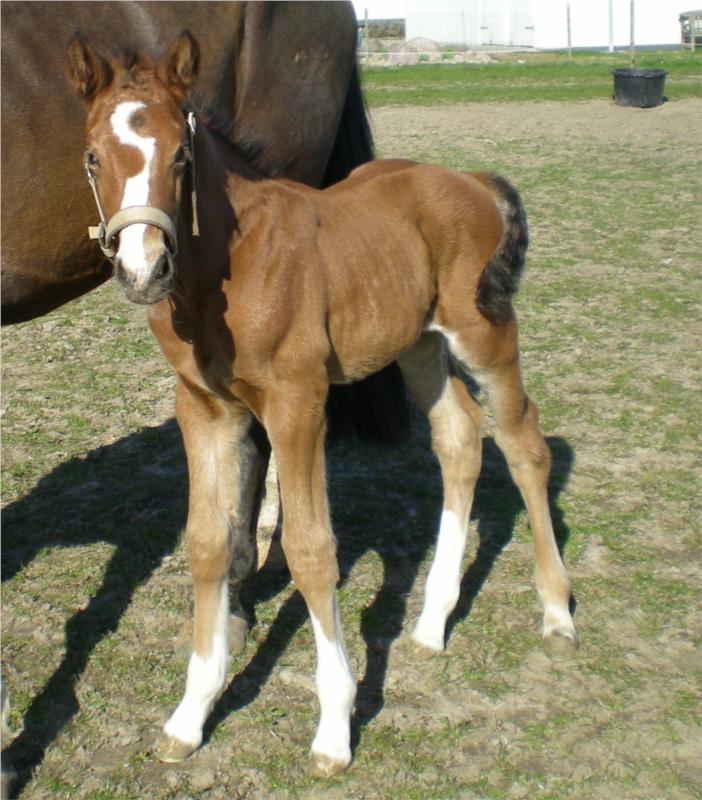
(500, 279)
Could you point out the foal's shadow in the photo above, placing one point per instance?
(133, 495)
(496, 506)
(388, 501)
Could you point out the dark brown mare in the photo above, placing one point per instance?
(283, 73)
(287, 290)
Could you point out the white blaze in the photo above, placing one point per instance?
(131, 251)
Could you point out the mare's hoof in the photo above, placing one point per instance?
(170, 750)
(237, 631)
(323, 766)
(560, 645)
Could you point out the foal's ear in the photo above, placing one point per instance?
(178, 69)
(88, 71)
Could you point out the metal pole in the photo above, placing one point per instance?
(570, 52)
(365, 35)
(611, 27)
(631, 34)
(480, 22)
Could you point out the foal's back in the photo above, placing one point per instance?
(438, 202)
(392, 240)
(400, 221)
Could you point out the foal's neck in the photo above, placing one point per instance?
(227, 199)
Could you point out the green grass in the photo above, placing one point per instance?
(523, 77)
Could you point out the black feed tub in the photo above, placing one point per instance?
(642, 88)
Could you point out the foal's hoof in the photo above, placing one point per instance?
(426, 643)
(560, 645)
(7, 782)
(170, 750)
(323, 766)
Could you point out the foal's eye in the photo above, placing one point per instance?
(92, 160)
(181, 156)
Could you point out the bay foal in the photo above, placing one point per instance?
(286, 290)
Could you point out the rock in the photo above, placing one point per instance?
(402, 59)
(421, 45)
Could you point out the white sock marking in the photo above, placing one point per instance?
(557, 618)
(136, 191)
(206, 678)
(443, 582)
(336, 690)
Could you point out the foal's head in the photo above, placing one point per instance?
(137, 150)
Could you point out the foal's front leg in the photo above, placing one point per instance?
(295, 425)
(222, 463)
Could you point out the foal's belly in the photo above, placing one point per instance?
(377, 310)
(365, 341)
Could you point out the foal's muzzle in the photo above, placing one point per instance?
(158, 285)
(162, 272)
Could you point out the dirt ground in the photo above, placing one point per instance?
(96, 590)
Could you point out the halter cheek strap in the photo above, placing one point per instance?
(107, 230)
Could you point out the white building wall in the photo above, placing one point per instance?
(542, 23)
(655, 22)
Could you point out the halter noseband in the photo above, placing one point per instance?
(106, 231)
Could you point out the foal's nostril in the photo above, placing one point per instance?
(164, 269)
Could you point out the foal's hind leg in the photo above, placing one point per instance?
(492, 355)
(455, 430)
(295, 423)
(222, 462)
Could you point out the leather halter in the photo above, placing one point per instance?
(106, 231)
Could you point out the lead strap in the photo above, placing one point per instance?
(192, 125)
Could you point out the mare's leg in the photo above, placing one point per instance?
(455, 431)
(295, 424)
(253, 455)
(223, 461)
(491, 354)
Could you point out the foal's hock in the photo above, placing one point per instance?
(285, 291)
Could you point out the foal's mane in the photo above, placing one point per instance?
(250, 148)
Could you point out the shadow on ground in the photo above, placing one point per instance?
(133, 495)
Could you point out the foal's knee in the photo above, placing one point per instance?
(208, 557)
(313, 566)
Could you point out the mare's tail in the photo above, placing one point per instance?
(499, 280)
(353, 145)
(375, 409)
